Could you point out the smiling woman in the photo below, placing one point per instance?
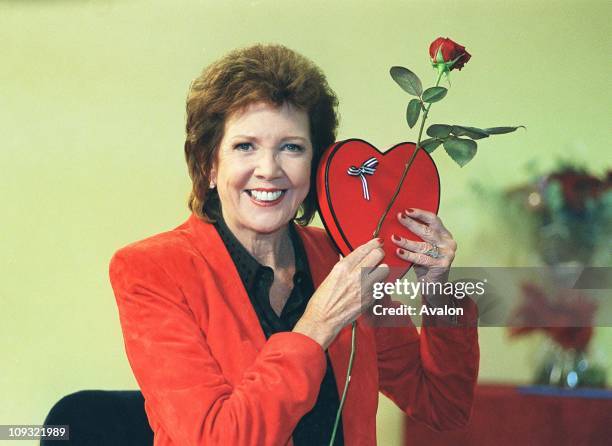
(237, 323)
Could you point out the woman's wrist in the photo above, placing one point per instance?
(317, 331)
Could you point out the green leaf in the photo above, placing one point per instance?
(431, 144)
(439, 130)
(413, 112)
(434, 94)
(470, 132)
(502, 130)
(460, 150)
(406, 79)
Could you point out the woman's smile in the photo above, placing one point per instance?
(266, 197)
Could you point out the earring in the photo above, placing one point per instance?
(212, 185)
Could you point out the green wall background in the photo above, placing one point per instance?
(91, 131)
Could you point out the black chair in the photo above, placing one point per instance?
(102, 417)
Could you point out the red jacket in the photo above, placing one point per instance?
(209, 377)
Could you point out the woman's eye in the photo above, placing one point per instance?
(293, 148)
(244, 146)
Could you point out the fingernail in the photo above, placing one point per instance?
(409, 211)
(379, 241)
(394, 238)
(400, 251)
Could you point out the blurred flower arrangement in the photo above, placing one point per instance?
(569, 213)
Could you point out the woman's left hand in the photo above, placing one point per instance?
(433, 256)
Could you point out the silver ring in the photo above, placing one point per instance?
(434, 252)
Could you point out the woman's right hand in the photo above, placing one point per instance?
(344, 294)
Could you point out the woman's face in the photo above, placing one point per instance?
(262, 170)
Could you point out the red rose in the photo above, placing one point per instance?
(453, 54)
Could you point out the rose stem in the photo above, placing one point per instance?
(408, 164)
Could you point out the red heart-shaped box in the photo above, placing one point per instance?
(350, 218)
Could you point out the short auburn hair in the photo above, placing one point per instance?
(268, 73)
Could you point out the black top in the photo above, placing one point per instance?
(316, 426)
